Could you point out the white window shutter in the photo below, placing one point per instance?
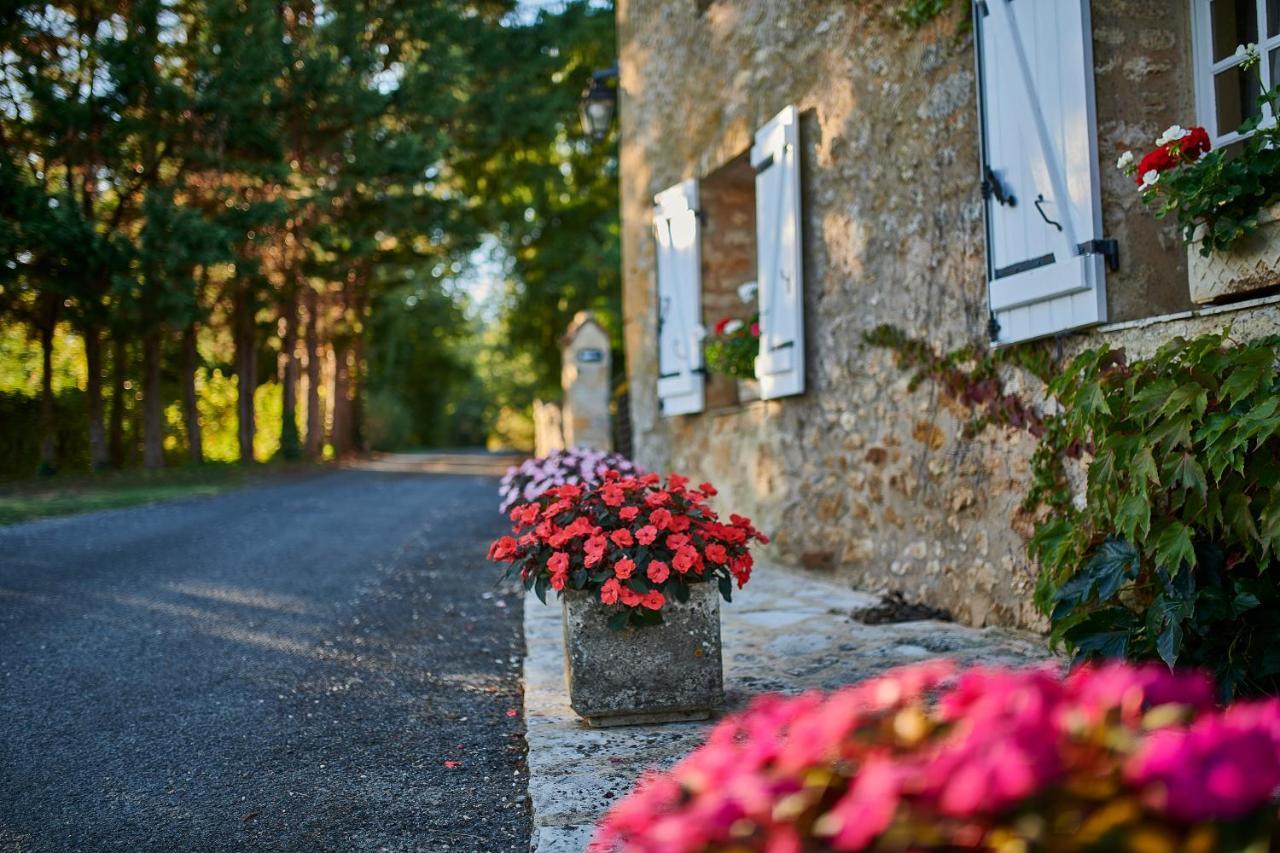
(680, 370)
(1045, 261)
(776, 158)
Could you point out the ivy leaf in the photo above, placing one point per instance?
(1174, 548)
(1269, 529)
(1143, 468)
(1169, 642)
(1114, 563)
(1189, 395)
(1105, 633)
(1133, 517)
(1188, 472)
(1251, 372)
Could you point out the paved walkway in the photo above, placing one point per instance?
(322, 663)
(782, 633)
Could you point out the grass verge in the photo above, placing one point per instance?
(75, 493)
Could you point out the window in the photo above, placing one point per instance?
(1227, 93)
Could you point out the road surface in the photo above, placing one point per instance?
(322, 663)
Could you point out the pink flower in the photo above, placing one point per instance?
(629, 513)
(658, 571)
(559, 562)
(716, 553)
(686, 558)
(645, 535)
(660, 518)
(653, 600)
(622, 538)
(623, 568)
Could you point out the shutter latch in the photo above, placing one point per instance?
(992, 188)
(1109, 249)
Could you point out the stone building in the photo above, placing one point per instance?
(837, 157)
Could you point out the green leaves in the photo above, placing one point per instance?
(1169, 558)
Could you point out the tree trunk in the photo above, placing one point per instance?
(315, 416)
(356, 383)
(342, 438)
(98, 455)
(119, 367)
(48, 419)
(246, 361)
(152, 404)
(190, 402)
(289, 446)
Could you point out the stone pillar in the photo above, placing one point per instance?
(585, 375)
(548, 428)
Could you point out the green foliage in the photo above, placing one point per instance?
(1170, 557)
(20, 433)
(734, 353)
(917, 13)
(1224, 191)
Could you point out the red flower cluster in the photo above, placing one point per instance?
(634, 540)
(1187, 148)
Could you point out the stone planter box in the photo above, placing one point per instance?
(655, 674)
(1252, 264)
(748, 390)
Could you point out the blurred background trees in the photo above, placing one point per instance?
(240, 229)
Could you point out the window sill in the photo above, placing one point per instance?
(1206, 311)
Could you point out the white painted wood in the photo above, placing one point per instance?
(681, 381)
(779, 256)
(1206, 68)
(1035, 63)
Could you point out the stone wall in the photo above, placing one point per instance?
(861, 477)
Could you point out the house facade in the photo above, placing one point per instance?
(955, 181)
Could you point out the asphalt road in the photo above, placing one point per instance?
(323, 663)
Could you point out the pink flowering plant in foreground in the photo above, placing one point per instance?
(1117, 757)
(577, 465)
(636, 542)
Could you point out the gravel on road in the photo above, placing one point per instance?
(318, 664)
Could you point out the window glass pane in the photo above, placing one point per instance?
(1236, 92)
(1273, 18)
(1235, 22)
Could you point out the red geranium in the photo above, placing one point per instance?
(634, 541)
(1186, 148)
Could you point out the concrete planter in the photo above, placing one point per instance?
(748, 390)
(655, 674)
(1252, 264)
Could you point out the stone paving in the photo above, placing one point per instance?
(785, 632)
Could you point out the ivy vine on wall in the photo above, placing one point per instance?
(1169, 556)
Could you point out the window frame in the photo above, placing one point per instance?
(1206, 69)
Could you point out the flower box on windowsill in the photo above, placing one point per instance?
(748, 390)
(1252, 263)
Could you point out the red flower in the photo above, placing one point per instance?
(613, 495)
(525, 514)
(623, 568)
(660, 518)
(503, 550)
(676, 541)
(676, 483)
(645, 535)
(708, 490)
(679, 523)
(721, 325)
(658, 571)
(609, 591)
(755, 330)
(1159, 160)
(686, 558)
(1194, 143)
(558, 563)
(654, 600)
(716, 553)
(622, 538)
(629, 513)
(628, 596)
(559, 580)
(656, 499)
